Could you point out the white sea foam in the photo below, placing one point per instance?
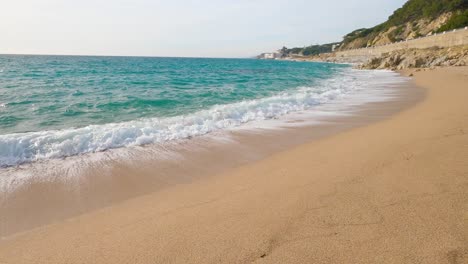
(28, 147)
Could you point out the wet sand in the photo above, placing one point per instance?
(55, 190)
(392, 191)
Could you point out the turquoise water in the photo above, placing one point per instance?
(60, 106)
(55, 92)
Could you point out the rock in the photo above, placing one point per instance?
(419, 58)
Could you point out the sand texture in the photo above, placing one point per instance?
(395, 191)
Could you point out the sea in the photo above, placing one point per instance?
(54, 107)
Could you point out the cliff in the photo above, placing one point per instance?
(453, 39)
(419, 58)
(415, 19)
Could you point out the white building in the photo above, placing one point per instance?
(271, 55)
(335, 46)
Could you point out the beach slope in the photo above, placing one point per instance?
(395, 191)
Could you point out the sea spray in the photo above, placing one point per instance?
(69, 111)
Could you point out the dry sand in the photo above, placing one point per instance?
(395, 191)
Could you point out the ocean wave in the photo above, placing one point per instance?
(32, 146)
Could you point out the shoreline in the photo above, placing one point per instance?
(394, 190)
(85, 184)
(23, 147)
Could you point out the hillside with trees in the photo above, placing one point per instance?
(414, 19)
(309, 50)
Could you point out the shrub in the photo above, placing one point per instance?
(458, 20)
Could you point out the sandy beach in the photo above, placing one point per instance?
(392, 191)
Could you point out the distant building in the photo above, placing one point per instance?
(270, 55)
(335, 46)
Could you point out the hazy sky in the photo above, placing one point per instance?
(209, 28)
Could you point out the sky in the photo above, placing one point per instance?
(180, 28)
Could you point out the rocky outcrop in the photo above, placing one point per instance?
(419, 58)
(409, 30)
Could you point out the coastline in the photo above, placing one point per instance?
(387, 191)
(86, 183)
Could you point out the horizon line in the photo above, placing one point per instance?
(133, 56)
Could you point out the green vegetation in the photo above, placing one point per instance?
(359, 33)
(458, 20)
(394, 35)
(310, 50)
(412, 11)
(417, 9)
(295, 50)
(317, 49)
